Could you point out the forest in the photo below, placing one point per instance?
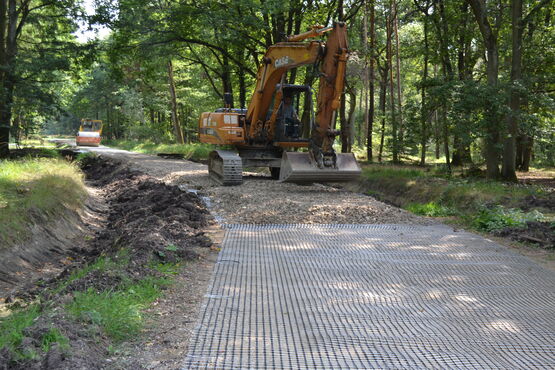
(456, 83)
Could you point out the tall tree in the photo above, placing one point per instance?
(518, 23)
(370, 113)
(492, 116)
(49, 19)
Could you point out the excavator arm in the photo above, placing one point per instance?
(284, 56)
(276, 62)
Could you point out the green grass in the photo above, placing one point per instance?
(481, 204)
(105, 264)
(117, 313)
(431, 209)
(12, 327)
(36, 190)
(53, 336)
(196, 151)
(392, 172)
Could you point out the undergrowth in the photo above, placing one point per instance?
(499, 217)
(478, 203)
(431, 209)
(36, 189)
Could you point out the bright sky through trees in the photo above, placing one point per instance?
(84, 33)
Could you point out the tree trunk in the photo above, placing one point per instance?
(508, 170)
(458, 150)
(226, 78)
(382, 102)
(527, 153)
(519, 151)
(389, 57)
(370, 115)
(423, 110)
(350, 122)
(8, 52)
(445, 137)
(307, 114)
(242, 87)
(344, 124)
(400, 145)
(492, 68)
(173, 98)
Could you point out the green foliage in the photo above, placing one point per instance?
(53, 336)
(36, 189)
(391, 172)
(499, 217)
(81, 157)
(12, 327)
(118, 313)
(431, 209)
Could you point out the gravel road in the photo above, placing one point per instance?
(261, 200)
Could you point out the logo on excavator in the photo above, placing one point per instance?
(283, 61)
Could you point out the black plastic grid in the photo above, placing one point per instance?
(372, 296)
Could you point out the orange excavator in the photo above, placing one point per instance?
(263, 133)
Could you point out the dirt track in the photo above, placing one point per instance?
(261, 200)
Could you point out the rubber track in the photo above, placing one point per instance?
(231, 165)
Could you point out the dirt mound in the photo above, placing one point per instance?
(147, 215)
(534, 202)
(148, 219)
(83, 350)
(540, 233)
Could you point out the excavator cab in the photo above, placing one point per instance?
(295, 114)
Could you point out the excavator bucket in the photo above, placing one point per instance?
(298, 167)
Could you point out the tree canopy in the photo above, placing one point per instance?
(468, 81)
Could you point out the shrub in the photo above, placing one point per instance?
(499, 217)
(431, 209)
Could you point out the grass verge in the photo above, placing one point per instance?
(483, 205)
(108, 308)
(39, 189)
(118, 313)
(195, 151)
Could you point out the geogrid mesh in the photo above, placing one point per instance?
(372, 296)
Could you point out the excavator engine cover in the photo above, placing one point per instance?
(299, 167)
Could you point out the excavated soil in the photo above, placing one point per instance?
(261, 200)
(539, 233)
(147, 217)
